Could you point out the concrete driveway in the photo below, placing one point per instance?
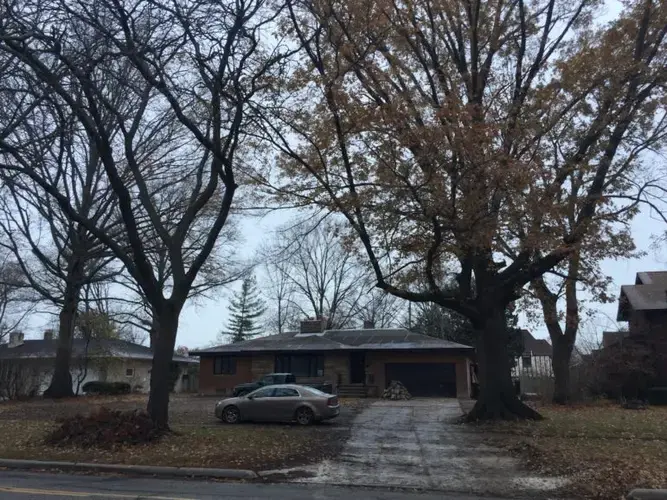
(417, 444)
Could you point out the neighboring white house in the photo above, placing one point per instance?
(533, 369)
(536, 358)
(96, 360)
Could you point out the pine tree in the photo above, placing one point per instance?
(245, 309)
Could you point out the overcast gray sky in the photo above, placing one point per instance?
(201, 324)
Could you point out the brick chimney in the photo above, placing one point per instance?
(313, 325)
(48, 334)
(369, 324)
(15, 339)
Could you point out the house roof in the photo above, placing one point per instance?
(336, 340)
(649, 297)
(652, 278)
(96, 348)
(535, 347)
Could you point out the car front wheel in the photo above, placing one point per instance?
(304, 416)
(231, 415)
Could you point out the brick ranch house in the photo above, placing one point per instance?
(357, 361)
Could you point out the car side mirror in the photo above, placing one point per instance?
(250, 397)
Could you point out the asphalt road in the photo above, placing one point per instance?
(18, 485)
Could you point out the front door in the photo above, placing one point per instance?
(357, 368)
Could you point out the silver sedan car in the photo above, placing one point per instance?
(279, 403)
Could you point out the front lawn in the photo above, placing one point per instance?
(604, 449)
(199, 440)
(245, 446)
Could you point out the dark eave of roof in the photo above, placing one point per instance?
(535, 347)
(645, 297)
(397, 339)
(34, 349)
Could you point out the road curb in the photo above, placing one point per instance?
(641, 494)
(144, 470)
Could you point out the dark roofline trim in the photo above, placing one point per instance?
(386, 339)
(144, 357)
(411, 348)
(119, 349)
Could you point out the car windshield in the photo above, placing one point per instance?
(267, 379)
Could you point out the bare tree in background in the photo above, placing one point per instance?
(317, 275)
(188, 75)
(92, 326)
(16, 299)
(100, 298)
(280, 292)
(225, 265)
(382, 309)
(58, 256)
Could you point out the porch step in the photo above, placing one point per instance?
(352, 391)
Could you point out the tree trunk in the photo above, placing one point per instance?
(497, 399)
(163, 352)
(560, 362)
(61, 382)
(152, 336)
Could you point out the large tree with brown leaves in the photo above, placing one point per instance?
(446, 131)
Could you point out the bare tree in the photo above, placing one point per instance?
(92, 326)
(320, 276)
(16, 300)
(559, 291)
(18, 380)
(100, 298)
(58, 256)
(382, 309)
(225, 265)
(280, 292)
(187, 75)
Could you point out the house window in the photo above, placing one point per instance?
(129, 372)
(224, 365)
(300, 365)
(526, 361)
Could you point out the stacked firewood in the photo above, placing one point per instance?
(396, 391)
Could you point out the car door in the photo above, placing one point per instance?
(286, 400)
(257, 406)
